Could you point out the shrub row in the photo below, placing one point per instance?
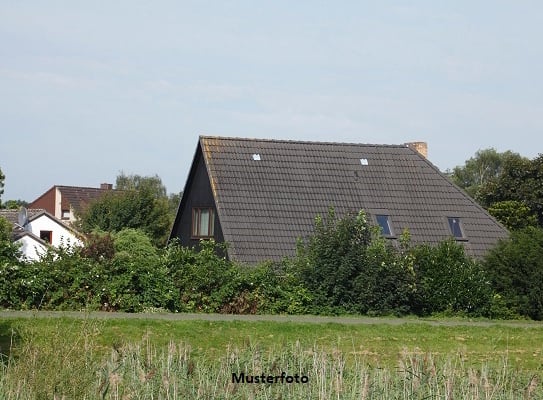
(344, 267)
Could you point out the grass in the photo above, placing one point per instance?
(129, 359)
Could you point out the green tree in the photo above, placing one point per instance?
(486, 166)
(9, 251)
(348, 267)
(513, 214)
(448, 280)
(2, 177)
(515, 267)
(152, 184)
(140, 203)
(520, 180)
(14, 204)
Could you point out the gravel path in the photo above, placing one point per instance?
(348, 320)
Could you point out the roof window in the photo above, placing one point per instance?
(384, 222)
(256, 157)
(456, 228)
(364, 161)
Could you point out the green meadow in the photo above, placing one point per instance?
(89, 358)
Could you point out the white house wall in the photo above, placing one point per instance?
(30, 248)
(60, 234)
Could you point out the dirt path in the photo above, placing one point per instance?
(348, 320)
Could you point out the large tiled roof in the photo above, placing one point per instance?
(268, 192)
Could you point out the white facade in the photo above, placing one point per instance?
(31, 247)
(43, 230)
(60, 234)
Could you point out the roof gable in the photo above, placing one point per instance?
(268, 192)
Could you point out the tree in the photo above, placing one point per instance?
(137, 182)
(14, 204)
(515, 267)
(139, 203)
(486, 166)
(2, 177)
(513, 214)
(520, 180)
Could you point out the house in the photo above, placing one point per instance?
(36, 230)
(260, 196)
(65, 201)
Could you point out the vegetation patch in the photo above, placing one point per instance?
(115, 359)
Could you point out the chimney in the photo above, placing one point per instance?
(106, 186)
(419, 147)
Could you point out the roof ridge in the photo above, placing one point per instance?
(291, 141)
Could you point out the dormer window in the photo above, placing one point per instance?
(65, 214)
(203, 223)
(456, 228)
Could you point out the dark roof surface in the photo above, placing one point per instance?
(13, 215)
(78, 197)
(265, 205)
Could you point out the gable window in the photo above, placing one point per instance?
(203, 222)
(456, 228)
(47, 236)
(384, 222)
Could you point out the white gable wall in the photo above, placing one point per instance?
(60, 234)
(31, 248)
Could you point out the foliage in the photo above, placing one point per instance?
(135, 279)
(14, 204)
(348, 267)
(2, 177)
(486, 166)
(447, 280)
(513, 214)
(136, 358)
(10, 266)
(98, 246)
(152, 184)
(515, 267)
(521, 180)
(332, 258)
(386, 282)
(138, 209)
(204, 280)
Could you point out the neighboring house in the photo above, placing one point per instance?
(260, 196)
(65, 201)
(40, 231)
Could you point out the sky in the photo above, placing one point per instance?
(90, 89)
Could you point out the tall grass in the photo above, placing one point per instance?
(71, 366)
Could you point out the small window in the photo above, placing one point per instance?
(456, 228)
(256, 157)
(203, 222)
(384, 223)
(47, 236)
(65, 214)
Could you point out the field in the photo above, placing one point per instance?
(164, 358)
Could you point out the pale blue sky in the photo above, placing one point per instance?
(90, 88)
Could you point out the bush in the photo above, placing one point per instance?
(348, 267)
(447, 280)
(203, 280)
(515, 267)
(135, 279)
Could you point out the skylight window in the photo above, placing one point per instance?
(364, 161)
(456, 228)
(256, 157)
(384, 222)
